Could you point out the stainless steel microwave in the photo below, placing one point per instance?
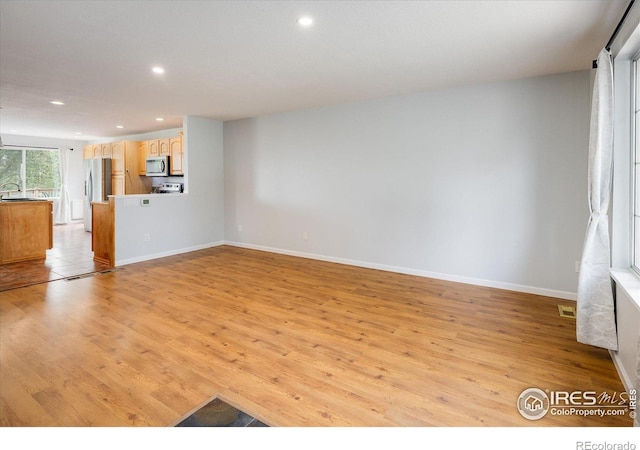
(157, 166)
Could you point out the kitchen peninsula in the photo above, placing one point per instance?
(26, 229)
(103, 231)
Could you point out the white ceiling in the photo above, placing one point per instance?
(236, 59)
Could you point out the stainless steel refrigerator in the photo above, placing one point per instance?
(97, 185)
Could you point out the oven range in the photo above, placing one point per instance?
(169, 188)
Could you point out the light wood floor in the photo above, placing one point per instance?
(291, 341)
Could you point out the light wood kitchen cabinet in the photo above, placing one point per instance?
(92, 151)
(103, 231)
(164, 147)
(171, 147)
(117, 158)
(118, 185)
(105, 151)
(26, 230)
(154, 147)
(176, 157)
(143, 152)
(158, 147)
(124, 170)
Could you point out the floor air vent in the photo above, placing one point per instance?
(567, 311)
(112, 269)
(77, 277)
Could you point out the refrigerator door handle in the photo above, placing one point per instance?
(90, 196)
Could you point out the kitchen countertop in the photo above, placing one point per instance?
(154, 194)
(11, 200)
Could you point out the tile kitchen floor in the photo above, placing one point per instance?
(71, 255)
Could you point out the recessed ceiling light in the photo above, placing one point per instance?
(159, 119)
(157, 70)
(56, 102)
(305, 21)
(119, 126)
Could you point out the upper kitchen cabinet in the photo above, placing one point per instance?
(124, 170)
(176, 155)
(124, 166)
(143, 151)
(118, 157)
(158, 147)
(96, 151)
(171, 147)
(163, 147)
(92, 151)
(154, 147)
(105, 151)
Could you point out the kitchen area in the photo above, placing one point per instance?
(28, 229)
(172, 214)
(127, 167)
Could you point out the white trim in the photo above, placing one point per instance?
(124, 262)
(408, 271)
(629, 282)
(628, 35)
(624, 376)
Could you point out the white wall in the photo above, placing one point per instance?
(178, 223)
(76, 167)
(485, 184)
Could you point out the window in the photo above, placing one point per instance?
(36, 171)
(635, 173)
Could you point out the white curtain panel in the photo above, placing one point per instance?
(595, 324)
(63, 212)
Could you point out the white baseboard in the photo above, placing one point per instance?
(408, 271)
(124, 262)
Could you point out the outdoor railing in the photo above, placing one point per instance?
(32, 193)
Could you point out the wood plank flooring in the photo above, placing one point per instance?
(290, 341)
(71, 255)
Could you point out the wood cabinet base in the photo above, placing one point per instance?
(103, 232)
(26, 230)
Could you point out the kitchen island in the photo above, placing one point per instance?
(26, 229)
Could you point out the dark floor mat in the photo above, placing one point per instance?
(217, 413)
